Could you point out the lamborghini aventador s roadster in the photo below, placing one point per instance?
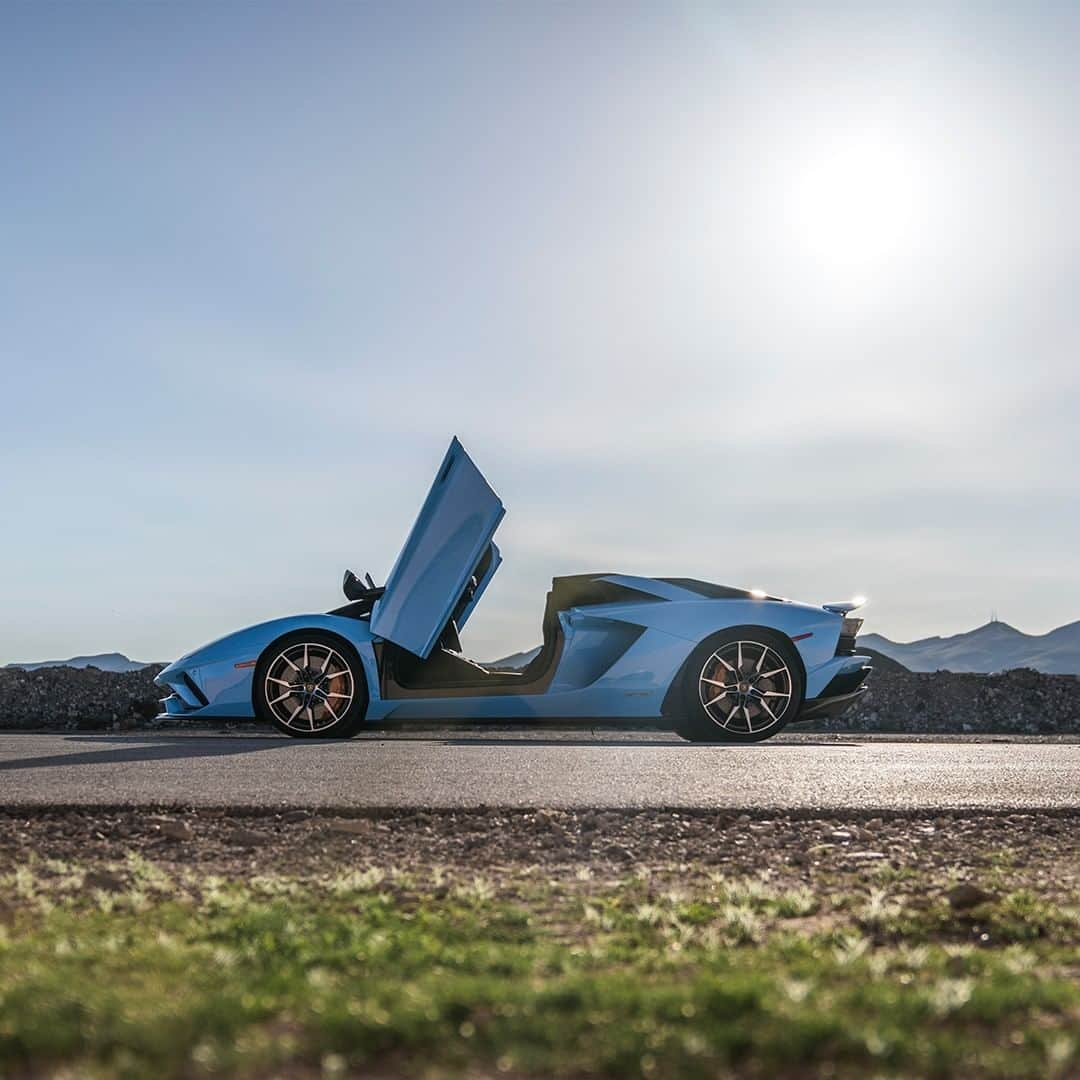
(718, 664)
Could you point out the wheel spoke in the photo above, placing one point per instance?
(710, 704)
(761, 658)
(295, 713)
(716, 682)
(746, 713)
(288, 694)
(310, 716)
(337, 695)
(305, 656)
(717, 656)
(330, 710)
(280, 682)
(739, 654)
(772, 693)
(326, 662)
(765, 705)
(770, 674)
(289, 662)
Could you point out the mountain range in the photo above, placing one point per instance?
(112, 661)
(996, 646)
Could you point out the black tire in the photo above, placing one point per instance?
(751, 717)
(333, 701)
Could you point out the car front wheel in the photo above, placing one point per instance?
(310, 685)
(742, 686)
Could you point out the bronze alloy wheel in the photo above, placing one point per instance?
(742, 685)
(745, 687)
(311, 685)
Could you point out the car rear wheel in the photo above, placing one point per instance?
(742, 685)
(311, 685)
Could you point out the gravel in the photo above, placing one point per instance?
(1042, 845)
(1021, 702)
(78, 699)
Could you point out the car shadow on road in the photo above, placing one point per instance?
(121, 749)
(152, 748)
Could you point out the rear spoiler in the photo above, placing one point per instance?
(844, 606)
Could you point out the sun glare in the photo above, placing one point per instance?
(855, 205)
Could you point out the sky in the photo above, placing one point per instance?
(776, 296)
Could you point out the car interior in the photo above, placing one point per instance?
(447, 671)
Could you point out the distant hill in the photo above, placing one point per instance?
(515, 661)
(997, 646)
(112, 661)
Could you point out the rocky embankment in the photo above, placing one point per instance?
(83, 699)
(1017, 702)
(1022, 702)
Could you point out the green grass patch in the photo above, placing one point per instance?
(425, 974)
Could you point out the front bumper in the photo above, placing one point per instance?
(187, 695)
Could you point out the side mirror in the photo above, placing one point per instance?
(352, 586)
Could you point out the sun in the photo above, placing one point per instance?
(854, 205)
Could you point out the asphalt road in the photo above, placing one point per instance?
(535, 769)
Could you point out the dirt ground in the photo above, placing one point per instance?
(1039, 850)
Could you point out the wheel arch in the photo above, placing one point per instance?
(667, 708)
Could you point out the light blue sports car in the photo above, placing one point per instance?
(718, 664)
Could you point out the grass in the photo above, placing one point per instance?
(429, 975)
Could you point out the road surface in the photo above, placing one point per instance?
(534, 769)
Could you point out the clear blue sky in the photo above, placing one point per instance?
(775, 296)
